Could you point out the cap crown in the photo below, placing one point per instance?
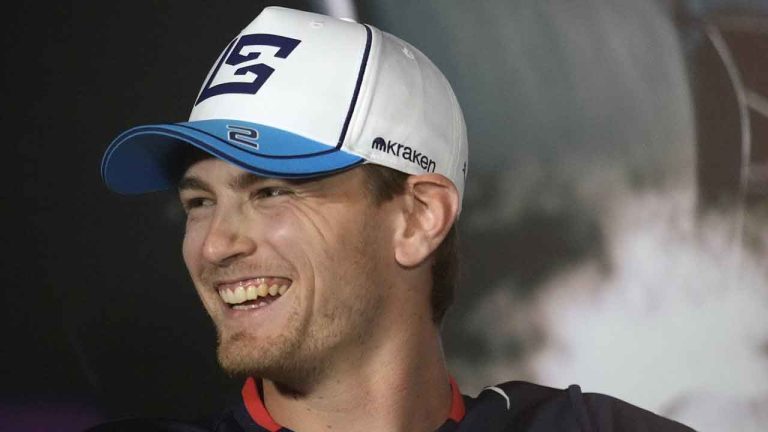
(298, 94)
(343, 84)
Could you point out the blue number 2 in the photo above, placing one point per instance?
(233, 57)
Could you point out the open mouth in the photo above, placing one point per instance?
(253, 293)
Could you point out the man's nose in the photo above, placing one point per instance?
(227, 239)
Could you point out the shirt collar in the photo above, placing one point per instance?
(259, 414)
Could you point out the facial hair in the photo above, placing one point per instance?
(302, 354)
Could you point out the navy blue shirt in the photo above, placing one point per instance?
(512, 406)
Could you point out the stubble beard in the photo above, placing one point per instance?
(304, 353)
(243, 353)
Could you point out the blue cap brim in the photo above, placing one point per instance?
(150, 158)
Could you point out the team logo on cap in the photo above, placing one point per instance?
(236, 71)
(406, 152)
(243, 137)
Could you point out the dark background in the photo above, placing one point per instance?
(94, 288)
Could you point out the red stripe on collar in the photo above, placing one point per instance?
(260, 415)
(256, 407)
(457, 402)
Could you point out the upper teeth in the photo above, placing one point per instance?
(241, 293)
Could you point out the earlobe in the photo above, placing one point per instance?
(430, 210)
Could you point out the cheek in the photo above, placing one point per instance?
(287, 236)
(338, 241)
(191, 248)
(293, 221)
(302, 236)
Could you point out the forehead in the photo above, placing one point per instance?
(211, 172)
(211, 166)
(198, 163)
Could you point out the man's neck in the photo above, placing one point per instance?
(401, 386)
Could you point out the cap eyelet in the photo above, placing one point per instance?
(407, 52)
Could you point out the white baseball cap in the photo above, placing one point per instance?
(299, 94)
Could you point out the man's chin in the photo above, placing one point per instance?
(241, 355)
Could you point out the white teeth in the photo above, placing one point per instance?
(240, 295)
(244, 306)
(227, 296)
(263, 290)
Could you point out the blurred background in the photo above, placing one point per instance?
(615, 231)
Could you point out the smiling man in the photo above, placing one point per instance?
(322, 173)
(316, 286)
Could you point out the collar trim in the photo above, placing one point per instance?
(256, 408)
(457, 402)
(259, 414)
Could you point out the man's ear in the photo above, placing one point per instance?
(431, 207)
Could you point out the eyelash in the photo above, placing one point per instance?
(195, 203)
(270, 192)
(262, 193)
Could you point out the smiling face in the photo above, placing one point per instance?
(295, 275)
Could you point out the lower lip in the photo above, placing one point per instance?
(254, 305)
(254, 309)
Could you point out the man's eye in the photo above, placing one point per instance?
(271, 192)
(194, 203)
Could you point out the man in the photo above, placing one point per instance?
(322, 173)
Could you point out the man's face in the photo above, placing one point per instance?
(320, 242)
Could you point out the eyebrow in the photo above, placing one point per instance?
(192, 183)
(244, 181)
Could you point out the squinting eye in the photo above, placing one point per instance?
(194, 203)
(270, 192)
